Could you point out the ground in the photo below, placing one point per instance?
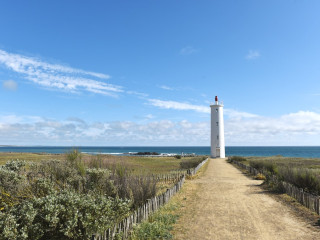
(225, 204)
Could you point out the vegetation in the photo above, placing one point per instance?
(64, 215)
(301, 172)
(76, 196)
(158, 225)
(191, 162)
(236, 158)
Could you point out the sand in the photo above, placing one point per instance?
(225, 204)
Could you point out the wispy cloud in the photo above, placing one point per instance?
(148, 116)
(139, 94)
(234, 114)
(166, 87)
(10, 85)
(230, 113)
(178, 105)
(252, 54)
(58, 76)
(188, 50)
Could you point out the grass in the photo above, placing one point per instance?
(301, 172)
(159, 225)
(165, 223)
(35, 157)
(311, 163)
(136, 164)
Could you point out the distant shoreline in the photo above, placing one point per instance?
(286, 151)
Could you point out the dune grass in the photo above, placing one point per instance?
(136, 164)
(301, 172)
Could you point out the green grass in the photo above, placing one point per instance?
(159, 225)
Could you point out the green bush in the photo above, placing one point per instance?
(66, 215)
(55, 199)
(14, 165)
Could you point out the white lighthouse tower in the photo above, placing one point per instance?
(217, 130)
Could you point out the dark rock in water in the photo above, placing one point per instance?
(146, 153)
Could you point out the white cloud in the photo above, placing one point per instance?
(188, 50)
(10, 85)
(300, 128)
(252, 54)
(166, 87)
(238, 115)
(149, 116)
(139, 94)
(178, 105)
(58, 76)
(230, 113)
(74, 131)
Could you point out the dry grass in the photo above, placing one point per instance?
(7, 156)
(260, 176)
(313, 163)
(137, 165)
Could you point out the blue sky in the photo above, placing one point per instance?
(117, 73)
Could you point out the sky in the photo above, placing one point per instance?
(143, 73)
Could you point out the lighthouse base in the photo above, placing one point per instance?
(217, 153)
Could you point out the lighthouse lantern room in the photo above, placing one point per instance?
(217, 130)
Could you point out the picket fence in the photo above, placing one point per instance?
(171, 177)
(308, 200)
(142, 213)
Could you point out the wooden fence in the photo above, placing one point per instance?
(193, 171)
(171, 177)
(142, 213)
(308, 200)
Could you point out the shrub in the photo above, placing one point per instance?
(236, 158)
(158, 227)
(307, 179)
(260, 165)
(96, 161)
(99, 181)
(177, 156)
(190, 163)
(13, 186)
(14, 165)
(66, 215)
(74, 159)
(142, 188)
(61, 173)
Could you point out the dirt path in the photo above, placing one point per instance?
(225, 204)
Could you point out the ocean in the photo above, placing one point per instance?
(312, 152)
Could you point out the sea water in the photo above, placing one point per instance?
(291, 151)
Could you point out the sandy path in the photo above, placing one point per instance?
(224, 204)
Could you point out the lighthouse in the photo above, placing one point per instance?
(217, 130)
